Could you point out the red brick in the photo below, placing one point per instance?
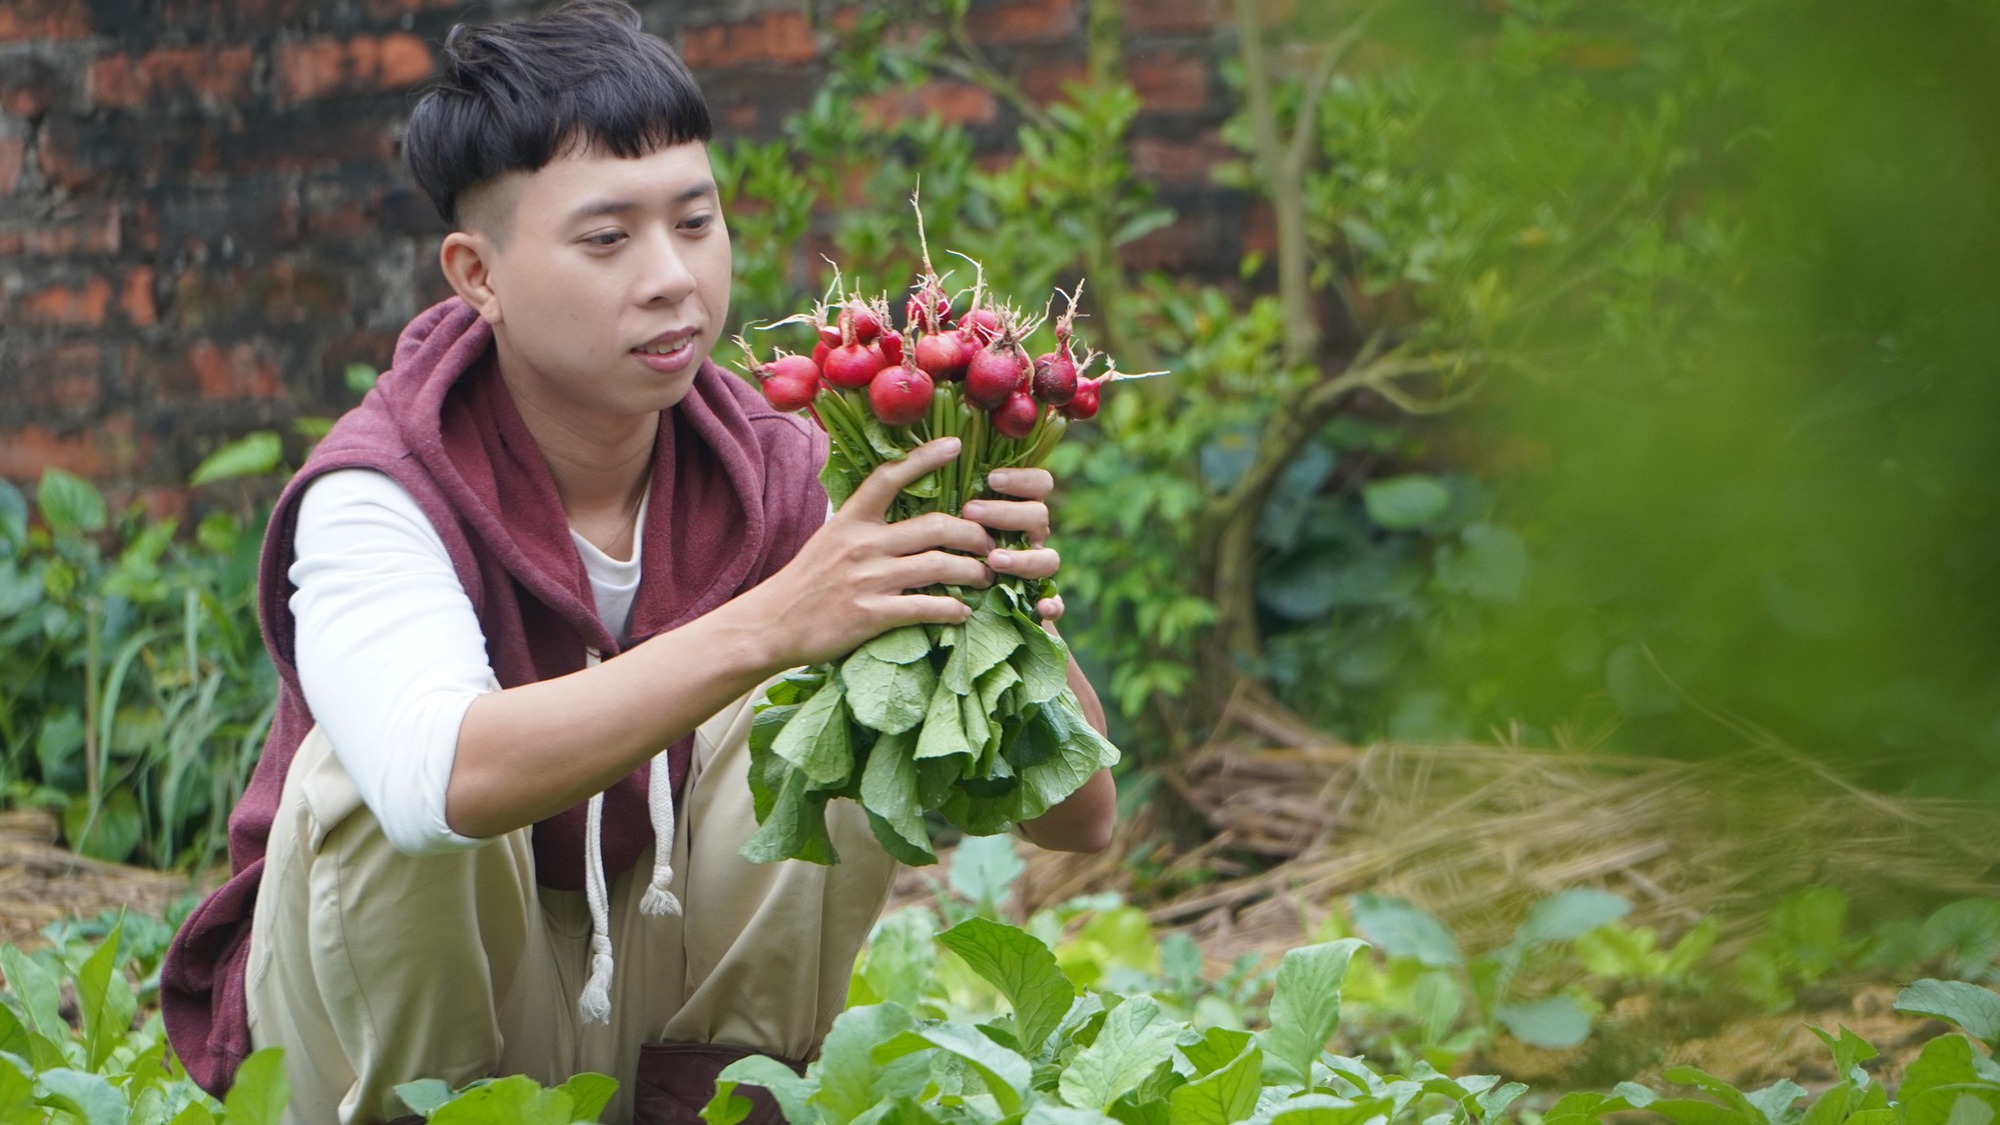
(13, 155)
(238, 373)
(1260, 230)
(1047, 82)
(1146, 17)
(1169, 83)
(1171, 247)
(61, 304)
(43, 19)
(164, 502)
(136, 299)
(783, 38)
(73, 229)
(1018, 22)
(1179, 162)
(90, 451)
(956, 103)
(31, 89)
(218, 75)
(70, 376)
(365, 64)
(388, 11)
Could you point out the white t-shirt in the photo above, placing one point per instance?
(390, 654)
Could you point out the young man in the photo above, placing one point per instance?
(521, 601)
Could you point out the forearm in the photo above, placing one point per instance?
(531, 751)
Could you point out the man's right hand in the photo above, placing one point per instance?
(853, 579)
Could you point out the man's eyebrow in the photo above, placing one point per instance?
(597, 207)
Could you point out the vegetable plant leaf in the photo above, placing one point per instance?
(260, 1092)
(886, 696)
(791, 1092)
(105, 1001)
(17, 1094)
(1971, 1007)
(1043, 662)
(1224, 1094)
(1134, 1040)
(905, 644)
(1406, 502)
(1400, 929)
(1778, 1101)
(1005, 1073)
(944, 733)
(850, 1080)
(1944, 1061)
(796, 828)
(90, 1097)
(901, 958)
(889, 793)
(1553, 1023)
(1022, 968)
(984, 868)
(589, 1093)
(70, 504)
(816, 741)
(1305, 1003)
(424, 1095)
(989, 638)
(1570, 914)
(38, 991)
(253, 454)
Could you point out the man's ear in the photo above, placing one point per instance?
(467, 258)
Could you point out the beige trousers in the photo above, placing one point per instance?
(373, 968)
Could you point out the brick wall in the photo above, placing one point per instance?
(204, 217)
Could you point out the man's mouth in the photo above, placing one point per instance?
(667, 344)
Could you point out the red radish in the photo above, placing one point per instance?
(829, 334)
(995, 373)
(1017, 416)
(1083, 407)
(983, 325)
(867, 326)
(891, 344)
(820, 351)
(851, 366)
(944, 354)
(1054, 381)
(900, 396)
(790, 393)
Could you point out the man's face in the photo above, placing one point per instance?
(609, 278)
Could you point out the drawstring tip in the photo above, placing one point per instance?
(659, 902)
(595, 1003)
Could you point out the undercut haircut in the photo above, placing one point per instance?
(511, 97)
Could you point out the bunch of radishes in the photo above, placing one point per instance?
(975, 722)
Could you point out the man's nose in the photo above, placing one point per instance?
(667, 277)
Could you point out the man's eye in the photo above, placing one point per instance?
(605, 238)
(698, 222)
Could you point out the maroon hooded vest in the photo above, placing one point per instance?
(735, 494)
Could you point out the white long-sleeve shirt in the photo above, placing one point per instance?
(389, 651)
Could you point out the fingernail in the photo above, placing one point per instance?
(949, 445)
(998, 478)
(1000, 558)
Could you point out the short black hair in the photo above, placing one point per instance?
(513, 96)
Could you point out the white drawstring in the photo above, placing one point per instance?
(595, 1003)
(659, 900)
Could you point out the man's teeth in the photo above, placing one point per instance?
(664, 349)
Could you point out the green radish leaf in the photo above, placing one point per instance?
(1714, 1087)
(588, 1094)
(816, 743)
(260, 1091)
(1022, 968)
(424, 1095)
(1032, 740)
(91, 1097)
(1691, 1111)
(765, 727)
(1971, 1109)
(1569, 915)
(990, 637)
(838, 478)
(980, 733)
(885, 696)
(993, 687)
(1400, 929)
(1944, 1061)
(1553, 1023)
(514, 1100)
(882, 441)
(1438, 1001)
(724, 1107)
(791, 1092)
(1134, 1040)
(1043, 662)
(14, 1038)
(195, 1114)
(889, 793)
(1047, 1113)
(796, 828)
(1005, 1073)
(1220, 1095)
(906, 644)
(1971, 1007)
(1305, 1003)
(1323, 1109)
(944, 729)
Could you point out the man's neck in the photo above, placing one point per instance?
(601, 466)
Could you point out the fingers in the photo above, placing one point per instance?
(914, 572)
(1028, 484)
(936, 529)
(1042, 563)
(1050, 608)
(1030, 516)
(872, 499)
